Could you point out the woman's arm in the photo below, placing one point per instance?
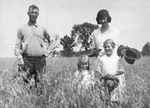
(120, 68)
(99, 71)
(93, 46)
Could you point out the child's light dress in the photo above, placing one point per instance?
(85, 78)
(111, 65)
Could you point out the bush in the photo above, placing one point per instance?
(146, 49)
(68, 43)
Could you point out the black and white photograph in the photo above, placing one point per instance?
(74, 54)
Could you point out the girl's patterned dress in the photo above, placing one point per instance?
(84, 78)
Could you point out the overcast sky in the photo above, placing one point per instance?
(132, 17)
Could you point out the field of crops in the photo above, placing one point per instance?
(58, 89)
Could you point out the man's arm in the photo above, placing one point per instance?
(49, 42)
(18, 45)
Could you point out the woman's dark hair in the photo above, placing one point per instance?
(83, 58)
(102, 14)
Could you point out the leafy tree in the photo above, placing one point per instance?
(146, 49)
(83, 32)
(68, 43)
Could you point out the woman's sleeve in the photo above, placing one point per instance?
(121, 65)
(99, 65)
(93, 41)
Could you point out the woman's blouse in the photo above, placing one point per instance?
(98, 38)
(109, 65)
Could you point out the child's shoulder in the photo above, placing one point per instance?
(76, 73)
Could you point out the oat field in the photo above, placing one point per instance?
(58, 89)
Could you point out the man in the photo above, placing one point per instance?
(32, 46)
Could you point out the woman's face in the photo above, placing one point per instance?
(108, 49)
(84, 65)
(103, 20)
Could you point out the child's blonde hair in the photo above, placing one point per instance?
(83, 58)
(110, 41)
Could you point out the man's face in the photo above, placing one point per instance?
(33, 14)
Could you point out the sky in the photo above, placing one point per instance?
(132, 17)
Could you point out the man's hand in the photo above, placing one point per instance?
(21, 64)
(46, 53)
(20, 61)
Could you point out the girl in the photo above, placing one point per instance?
(84, 76)
(110, 64)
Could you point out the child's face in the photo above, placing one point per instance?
(84, 65)
(108, 49)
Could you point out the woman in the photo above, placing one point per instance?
(110, 64)
(104, 32)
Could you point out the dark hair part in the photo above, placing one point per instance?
(33, 7)
(109, 41)
(102, 14)
(81, 59)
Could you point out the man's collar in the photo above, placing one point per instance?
(30, 24)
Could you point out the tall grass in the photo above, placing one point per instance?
(59, 90)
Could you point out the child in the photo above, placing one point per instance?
(110, 64)
(84, 76)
